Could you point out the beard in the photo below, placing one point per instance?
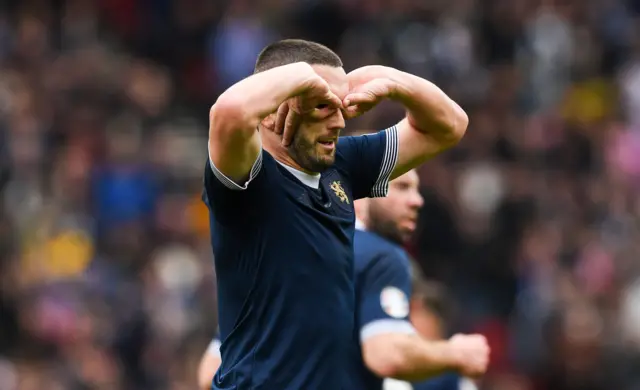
(305, 153)
(378, 223)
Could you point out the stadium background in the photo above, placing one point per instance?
(532, 222)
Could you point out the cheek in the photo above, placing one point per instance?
(305, 138)
(311, 131)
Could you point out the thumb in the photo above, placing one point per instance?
(369, 92)
(359, 98)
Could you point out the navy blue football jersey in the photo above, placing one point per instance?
(283, 248)
(443, 382)
(383, 288)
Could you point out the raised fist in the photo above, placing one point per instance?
(471, 352)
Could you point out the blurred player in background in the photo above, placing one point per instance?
(280, 187)
(430, 313)
(390, 346)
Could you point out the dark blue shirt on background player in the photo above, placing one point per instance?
(282, 241)
(383, 288)
(444, 382)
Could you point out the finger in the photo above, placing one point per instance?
(292, 122)
(353, 111)
(359, 98)
(281, 116)
(333, 100)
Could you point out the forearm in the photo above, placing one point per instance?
(249, 101)
(429, 110)
(234, 143)
(408, 357)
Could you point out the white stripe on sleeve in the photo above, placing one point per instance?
(378, 327)
(232, 185)
(389, 160)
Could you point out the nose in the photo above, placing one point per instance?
(336, 121)
(416, 200)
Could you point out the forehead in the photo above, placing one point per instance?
(335, 77)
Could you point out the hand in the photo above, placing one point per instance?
(368, 86)
(471, 354)
(290, 112)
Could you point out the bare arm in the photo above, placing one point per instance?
(234, 142)
(207, 369)
(409, 357)
(406, 357)
(433, 123)
(209, 365)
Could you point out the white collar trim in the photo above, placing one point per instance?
(360, 225)
(307, 179)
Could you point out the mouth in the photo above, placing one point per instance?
(327, 143)
(412, 222)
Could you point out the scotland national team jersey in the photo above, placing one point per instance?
(383, 288)
(283, 248)
(442, 382)
(446, 382)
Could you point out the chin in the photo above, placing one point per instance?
(328, 160)
(405, 236)
(317, 164)
(325, 160)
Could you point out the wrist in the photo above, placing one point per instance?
(305, 77)
(402, 82)
(452, 358)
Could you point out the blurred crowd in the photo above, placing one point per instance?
(106, 273)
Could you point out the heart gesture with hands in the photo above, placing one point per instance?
(290, 113)
(368, 86)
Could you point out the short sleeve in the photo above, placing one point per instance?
(385, 290)
(230, 184)
(214, 347)
(231, 202)
(369, 160)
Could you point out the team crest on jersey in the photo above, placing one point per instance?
(340, 192)
(394, 302)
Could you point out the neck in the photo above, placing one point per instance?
(285, 158)
(387, 235)
(281, 154)
(272, 143)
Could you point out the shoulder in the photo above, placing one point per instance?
(229, 202)
(372, 242)
(374, 251)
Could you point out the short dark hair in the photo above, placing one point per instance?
(289, 51)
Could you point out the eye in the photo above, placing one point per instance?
(322, 106)
(402, 187)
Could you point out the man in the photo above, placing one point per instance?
(383, 292)
(384, 280)
(280, 187)
(429, 314)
